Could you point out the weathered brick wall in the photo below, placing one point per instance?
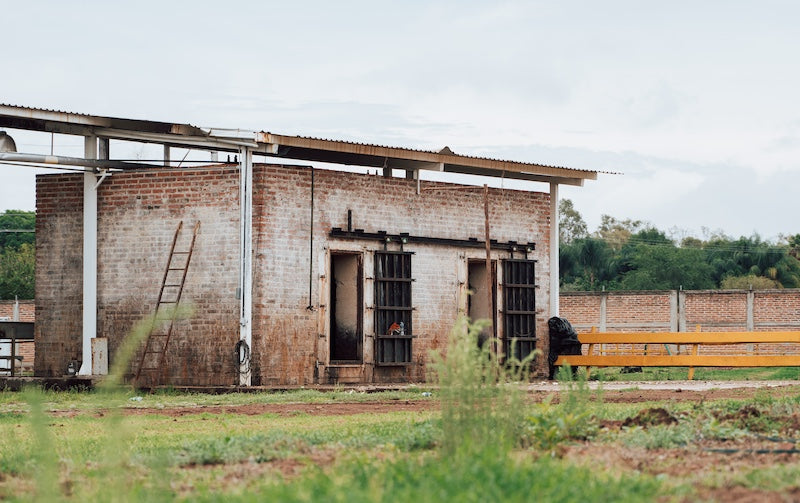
(618, 311)
(27, 310)
(59, 270)
(632, 313)
(138, 216)
(139, 213)
(295, 341)
(582, 309)
(776, 309)
(716, 310)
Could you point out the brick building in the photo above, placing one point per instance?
(314, 297)
(298, 275)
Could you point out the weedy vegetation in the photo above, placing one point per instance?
(483, 439)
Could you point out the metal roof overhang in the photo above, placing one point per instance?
(288, 147)
(338, 152)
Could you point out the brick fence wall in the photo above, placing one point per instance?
(24, 308)
(685, 311)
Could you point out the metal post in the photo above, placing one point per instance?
(246, 264)
(89, 258)
(489, 289)
(554, 248)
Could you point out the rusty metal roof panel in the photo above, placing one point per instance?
(366, 154)
(293, 147)
(38, 119)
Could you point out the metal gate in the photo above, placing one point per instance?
(393, 324)
(519, 307)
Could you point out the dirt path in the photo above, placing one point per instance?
(628, 392)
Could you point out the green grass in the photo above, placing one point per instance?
(477, 479)
(377, 457)
(13, 402)
(484, 443)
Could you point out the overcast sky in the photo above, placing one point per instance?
(696, 102)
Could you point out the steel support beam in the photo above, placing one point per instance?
(554, 248)
(246, 265)
(89, 331)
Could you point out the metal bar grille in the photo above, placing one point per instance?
(393, 308)
(519, 307)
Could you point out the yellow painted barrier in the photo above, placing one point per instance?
(597, 354)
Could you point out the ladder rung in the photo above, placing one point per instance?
(181, 252)
(176, 269)
(150, 352)
(149, 368)
(177, 284)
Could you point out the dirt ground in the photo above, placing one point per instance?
(629, 392)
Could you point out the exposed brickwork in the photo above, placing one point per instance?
(138, 214)
(635, 313)
(582, 309)
(776, 309)
(27, 310)
(295, 338)
(720, 309)
(59, 270)
(624, 311)
(27, 313)
(712, 310)
(27, 350)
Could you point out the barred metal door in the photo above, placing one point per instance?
(519, 307)
(393, 308)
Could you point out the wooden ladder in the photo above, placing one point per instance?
(151, 361)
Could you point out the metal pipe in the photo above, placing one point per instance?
(310, 306)
(246, 261)
(487, 240)
(71, 161)
(89, 330)
(554, 251)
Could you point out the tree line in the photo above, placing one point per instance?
(634, 255)
(618, 255)
(17, 254)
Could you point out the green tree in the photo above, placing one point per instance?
(12, 221)
(654, 267)
(570, 222)
(747, 282)
(751, 256)
(617, 232)
(586, 264)
(17, 272)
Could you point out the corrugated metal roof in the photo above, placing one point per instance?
(450, 152)
(294, 147)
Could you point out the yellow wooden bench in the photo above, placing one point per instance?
(599, 356)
